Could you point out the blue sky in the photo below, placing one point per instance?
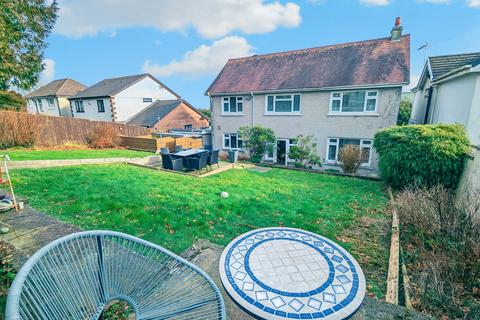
(185, 43)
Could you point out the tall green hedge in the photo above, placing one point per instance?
(422, 155)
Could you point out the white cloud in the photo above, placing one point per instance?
(204, 59)
(473, 3)
(376, 2)
(48, 73)
(210, 18)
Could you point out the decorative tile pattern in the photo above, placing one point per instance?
(283, 273)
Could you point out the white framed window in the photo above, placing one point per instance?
(232, 105)
(334, 145)
(232, 141)
(40, 105)
(79, 106)
(285, 103)
(100, 106)
(51, 103)
(354, 101)
(147, 100)
(188, 127)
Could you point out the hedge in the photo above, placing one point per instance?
(422, 155)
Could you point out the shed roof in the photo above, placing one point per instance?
(156, 111)
(372, 62)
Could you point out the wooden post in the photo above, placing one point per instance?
(393, 263)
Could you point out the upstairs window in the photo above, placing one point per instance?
(232, 104)
(100, 106)
(147, 100)
(353, 101)
(232, 141)
(79, 106)
(285, 103)
(188, 127)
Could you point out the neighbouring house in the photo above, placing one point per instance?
(118, 99)
(448, 91)
(164, 115)
(342, 94)
(52, 98)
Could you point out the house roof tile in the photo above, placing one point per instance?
(61, 87)
(441, 65)
(371, 62)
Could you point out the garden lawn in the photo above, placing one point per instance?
(33, 154)
(175, 210)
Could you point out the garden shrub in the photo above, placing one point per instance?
(258, 140)
(422, 155)
(404, 113)
(304, 152)
(103, 137)
(17, 130)
(351, 158)
(441, 238)
(12, 101)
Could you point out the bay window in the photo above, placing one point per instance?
(232, 104)
(232, 141)
(353, 101)
(285, 103)
(334, 145)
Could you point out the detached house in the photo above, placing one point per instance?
(342, 94)
(118, 99)
(52, 98)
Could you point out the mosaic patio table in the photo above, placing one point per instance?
(284, 273)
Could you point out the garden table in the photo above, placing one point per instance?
(189, 152)
(285, 273)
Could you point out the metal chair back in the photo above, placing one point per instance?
(76, 276)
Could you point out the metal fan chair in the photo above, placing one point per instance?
(76, 276)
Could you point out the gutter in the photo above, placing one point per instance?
(453, 74)
(294, 90)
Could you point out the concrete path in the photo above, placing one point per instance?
(29, 230)
(61, 163)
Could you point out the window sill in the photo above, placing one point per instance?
(336, 164)
(352, 114)
(232, 114)
(295, 114)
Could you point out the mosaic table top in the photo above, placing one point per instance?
(284, 273)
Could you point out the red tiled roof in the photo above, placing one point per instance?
(371, 62)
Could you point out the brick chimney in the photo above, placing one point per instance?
(397, 30)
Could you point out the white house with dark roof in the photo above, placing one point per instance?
(52, 98)
(118, 99)
(448, 91)
(341, 94)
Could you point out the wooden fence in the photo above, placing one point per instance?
(147, 143)
(49, 131)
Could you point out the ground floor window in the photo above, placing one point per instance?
(79, 106)
(334, 145)
(100, 106)
(232, 141)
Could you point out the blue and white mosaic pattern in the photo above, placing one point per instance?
(284, 273)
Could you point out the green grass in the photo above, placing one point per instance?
(176, 210)
(32, 154)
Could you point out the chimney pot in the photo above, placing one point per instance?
(397, 22)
